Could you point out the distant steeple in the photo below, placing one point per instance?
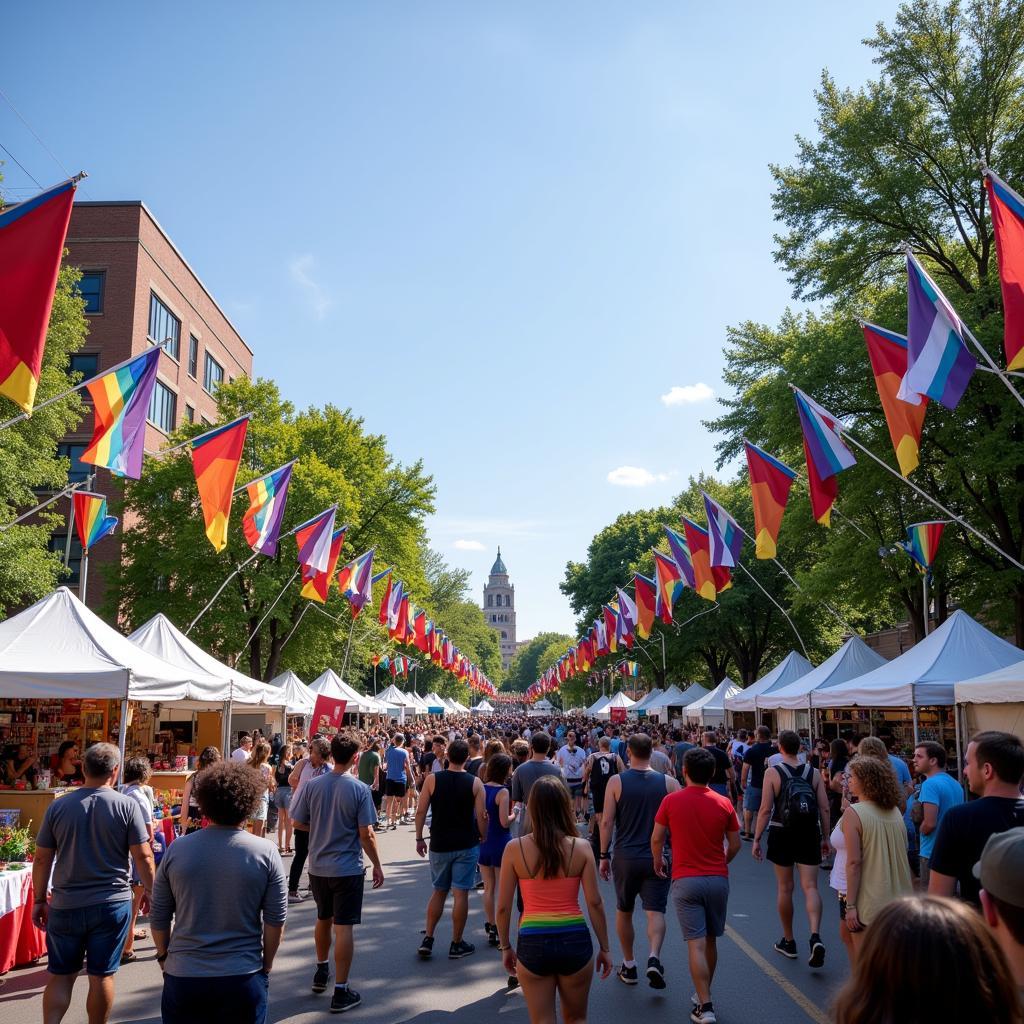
(498, 569)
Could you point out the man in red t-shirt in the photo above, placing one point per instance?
(705, 836)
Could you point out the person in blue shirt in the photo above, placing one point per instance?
(939, 792)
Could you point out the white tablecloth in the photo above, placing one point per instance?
(13, 889)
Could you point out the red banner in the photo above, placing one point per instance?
(617, 714)
(327, 716)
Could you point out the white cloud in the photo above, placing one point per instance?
(468, 545)
(301, 271)
(635, 476)
(687, 394)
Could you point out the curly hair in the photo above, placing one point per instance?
(877, 781)
(872, 746)
(228, 792)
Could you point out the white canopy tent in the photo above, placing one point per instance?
(993, 701)
(791, 668)
(674, 697)
(295, 694)
(597, 705)
(459, 708)
(435, 703)
(328, 684)
(710, 709)
(641, 705)
(483, 707)
(417, 702)
(543, 705)
(617, 700)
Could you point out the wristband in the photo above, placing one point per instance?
(605, 856)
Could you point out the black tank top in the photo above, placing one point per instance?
(642, 793)
(602, 769)
(452, 809)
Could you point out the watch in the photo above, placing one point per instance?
(605, 856)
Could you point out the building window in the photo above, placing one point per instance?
(508, 600)
(193, 356)
(490, 600)
(85, 363)
(164, 324)
(504, 635)
(91, 290)
(163, 407)
(79, 470)
(190, 413)
(56, 544)
(213, 374)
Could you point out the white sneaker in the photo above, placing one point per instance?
(699, 1016)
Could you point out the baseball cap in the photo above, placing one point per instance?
(1001, 868)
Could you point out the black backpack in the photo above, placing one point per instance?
(798, 803)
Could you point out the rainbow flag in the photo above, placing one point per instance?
(922, 544)
(887, 352)
(355, 581)
(700, 552)
(770, 481)
(826, 455)
(91, 520)
(385, 602)
(646, 591)
(629, 668)
(314, 538)
(627, 613)
(939, 363)
(683, 559)
(216, 456)
(268, 496)
(670, 583)
(1008, 225)
(724, 532)
(611, 627)
(32, 237)
(120, 402)
(315, 587)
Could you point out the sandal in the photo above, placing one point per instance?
(141, 934)
(128, 958)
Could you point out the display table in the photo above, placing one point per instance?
(163, 780)
(32, 803)
(21, 942)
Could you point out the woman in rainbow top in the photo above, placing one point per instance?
(554, 952)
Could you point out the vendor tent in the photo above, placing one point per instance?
(328, 684)
(295, 694)
(435, 703)
(673, 697)
(417, 702)
(57, 648)
(394, 698)
(853, 659)
(693, 692)
(710, 709)
(597, 705)
(960, 648)
(543, 705)
(459, 708)
(994, 700)
(618, 700)
(483, 707)
(641, 705)
(791, 668)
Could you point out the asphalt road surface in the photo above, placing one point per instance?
(753, 983)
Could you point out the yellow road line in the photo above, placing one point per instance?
(779, 978)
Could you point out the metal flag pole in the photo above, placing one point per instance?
(924, 602)
(750, 576)
(83, 575)
(248, 641)
(348, 648)
(70, 489)
(199, 437)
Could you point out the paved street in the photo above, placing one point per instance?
(753, 983)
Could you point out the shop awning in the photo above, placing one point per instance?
(1004, 686)
(791, 668)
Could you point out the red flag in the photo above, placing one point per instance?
(385, 601)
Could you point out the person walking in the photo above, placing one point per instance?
(794, 813)
(400, 768)
(725, 776)
(570, 759)
(228, 920)
(283, 797)
(554, 955)
(496, 771)
(310, 767)
(755, 760)
(528, 773)
(703, 829)
(136, 774)
(90, 834)
(939, 792)
(338, 811)
(600, 767)
(631, 801)
(242, 752)
(259, 759)
(458, 809)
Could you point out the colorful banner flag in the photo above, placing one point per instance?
(681, 554)
(120, 401)
(922, 544)
(705, 581)
(216, 456)
(629, 668)
(646, 604)
(724, 533)
(770, 481)
(826, 455)
(385, 602)
(1008, 225)
(32, 237)
(268, 496)
(670, 583)
(315, 587)
(611, 627)
(355, 581)
(91, 520)
(887, 352)
(327, 716)
(939, 364)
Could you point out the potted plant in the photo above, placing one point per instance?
(16, 845)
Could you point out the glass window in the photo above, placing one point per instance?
(163, 407)
(91, 289)
(164, 324)
(193, 355)
(79, 470)
(490, 600)
(190, 414)
(85, 363)
(213, 374)
(56, 545)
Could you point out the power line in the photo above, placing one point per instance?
(21, 118)
(19, 163)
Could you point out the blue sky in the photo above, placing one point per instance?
(511, 235)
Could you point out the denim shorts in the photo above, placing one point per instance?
(215, 1000)
(95, 934)
(282, 797)
(454, 870)
(752, 799)
(561, 954)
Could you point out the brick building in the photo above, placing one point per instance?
(138, 290)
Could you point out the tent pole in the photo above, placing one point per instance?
(924, 602)
(225, 730)
(959, 741)
(122, 729)
(913, 712)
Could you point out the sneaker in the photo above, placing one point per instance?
(344, 999)
(747, 837)
(512, 984)
(655, 973)
(817, 952)
(320, 979)
(627, 975)
(294, 897)
(492, 935)
(426, 947)
(703, 1014)
(378, 827)
(457, 950)
(787, 947)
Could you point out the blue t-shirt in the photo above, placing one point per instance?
(899, 766)
(945, 792)
(397, 761)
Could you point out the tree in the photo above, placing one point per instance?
(527, 664)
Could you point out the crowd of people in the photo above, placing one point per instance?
(929, 885)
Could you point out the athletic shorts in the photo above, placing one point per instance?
(752, 799)
(95, 934)
(635, 877)
(454, 869)
(394, 788)
(575, 787)
(701, 904)
(338, 897)
(789, 846)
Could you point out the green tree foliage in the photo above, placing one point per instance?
(527, 664)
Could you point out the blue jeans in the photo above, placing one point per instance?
(95, 934)
(235, 999)
(454, 870)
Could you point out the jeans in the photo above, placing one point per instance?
(95, 934)
(301, 840)
(235, 999)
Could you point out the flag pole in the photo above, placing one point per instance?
(83, 575)
(199, 437)
(242, 487)
(291, 580)
(49, 501)
(295, 627)
(77, 387)
(924, 602)
(348, 648)
(750, 575)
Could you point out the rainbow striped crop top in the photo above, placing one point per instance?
(550, 906)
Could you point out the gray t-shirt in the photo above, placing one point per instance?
(334, 806)
(221, 885)
(91, 830)
(522, 782)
